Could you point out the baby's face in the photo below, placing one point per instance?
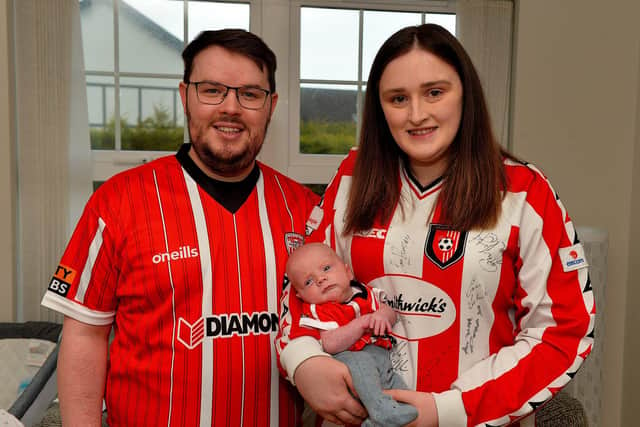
(318, 275)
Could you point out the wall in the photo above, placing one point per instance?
(575, 111)
(7, 174)
(632, 338)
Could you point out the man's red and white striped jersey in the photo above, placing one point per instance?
(332, 315)
(493, 321)
(192, 290)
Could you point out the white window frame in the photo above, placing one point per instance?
(278, 23)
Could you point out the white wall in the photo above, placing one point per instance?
(575, 116)
(7, 176)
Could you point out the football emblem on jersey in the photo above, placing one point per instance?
(444, 247)
(445, 244)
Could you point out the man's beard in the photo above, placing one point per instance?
(224, 164)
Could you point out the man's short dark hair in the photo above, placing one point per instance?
(237, 41)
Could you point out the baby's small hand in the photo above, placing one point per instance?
(379, 323)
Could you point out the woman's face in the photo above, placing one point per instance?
(421, 96)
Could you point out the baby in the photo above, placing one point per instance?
(353, 326)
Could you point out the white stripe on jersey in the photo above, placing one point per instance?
(94, 249)
(538, 265)
(206, 386)
(406, 258)
(286, 203)
(272, 286)
(173, 297)
(240, 293)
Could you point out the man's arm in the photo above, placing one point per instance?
(82, 370)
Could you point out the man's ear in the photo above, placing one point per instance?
(183, 88)
(274, 102)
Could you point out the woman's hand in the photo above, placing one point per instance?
(325, 384)
(424, 402)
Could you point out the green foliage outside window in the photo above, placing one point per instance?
(156, 133)
(318, 137)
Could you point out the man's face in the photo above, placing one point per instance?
(226, 138)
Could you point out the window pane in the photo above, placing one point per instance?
(446, 20)
(100, 101)
(151, 115)
(327, 119)
(378, 26)
(152, 27)
(328, 41)
(96, 19)
(205, 15)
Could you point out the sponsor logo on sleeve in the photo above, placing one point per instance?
(62, 280)
(573, 257)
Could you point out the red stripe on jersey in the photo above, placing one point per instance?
(435, 353)
(503, 329)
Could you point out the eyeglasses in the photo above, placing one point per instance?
(211, 93)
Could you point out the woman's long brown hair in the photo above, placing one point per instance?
(471, 195)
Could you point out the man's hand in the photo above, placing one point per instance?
(325, 384)
(424, 402)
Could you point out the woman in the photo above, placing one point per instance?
(473, 249)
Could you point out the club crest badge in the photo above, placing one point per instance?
(293, 241)
(444, 247)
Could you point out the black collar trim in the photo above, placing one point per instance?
(231, 195)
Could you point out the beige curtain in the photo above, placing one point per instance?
(485, 28)
(54, 165)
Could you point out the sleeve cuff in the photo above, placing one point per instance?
(77, 311)
(297, 351)
(451, 412)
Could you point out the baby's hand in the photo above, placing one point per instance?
(379, 323)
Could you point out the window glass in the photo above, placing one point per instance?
(101, 103)
(97, 34)
(204, 15)
(377, 27)
(328, 44)
(328, 118)
(446, 20)
(152, 26)
(151, 116)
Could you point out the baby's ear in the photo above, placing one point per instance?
(349, 271)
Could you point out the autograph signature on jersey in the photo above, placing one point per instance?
(400, 356)
(490, 249)
(474, 295)
(400, 255)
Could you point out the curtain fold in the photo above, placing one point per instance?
(485, 28)
(54, 164)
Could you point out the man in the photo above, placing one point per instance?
(183, 257)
